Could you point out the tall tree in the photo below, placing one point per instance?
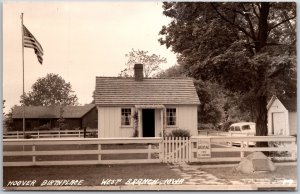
(248, 48)
(151, 62)
(50, 90)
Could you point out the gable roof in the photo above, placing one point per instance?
(127, 91)
(51, 111)
(289, 103)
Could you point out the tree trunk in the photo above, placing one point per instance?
(262, 26)
(261, 119)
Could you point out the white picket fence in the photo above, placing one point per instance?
(176, 149)
(47, 134)
(28, 152)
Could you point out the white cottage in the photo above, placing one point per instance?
(145, 106)
(282, 116)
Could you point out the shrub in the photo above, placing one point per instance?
(180, 133)
(44, 127)
(92, 135)
(27, 136)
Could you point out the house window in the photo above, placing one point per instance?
(126, 116)
(171, 116)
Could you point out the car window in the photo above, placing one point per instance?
(237, 128)
(231, 128)
(246, 127)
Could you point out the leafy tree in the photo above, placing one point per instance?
(249, 48)
(173, 71)
(8, 121)
(50, 90)
(151, 62)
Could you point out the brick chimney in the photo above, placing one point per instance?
(138, 72)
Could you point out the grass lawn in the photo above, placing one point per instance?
(91, 174)
(281, 172)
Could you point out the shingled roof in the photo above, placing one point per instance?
(51, 111)
(127, 91)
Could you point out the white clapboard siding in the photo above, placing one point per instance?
(109, 124)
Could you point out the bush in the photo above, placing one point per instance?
(27, 136)
(44, 127)
(92, 135)
(180, 133)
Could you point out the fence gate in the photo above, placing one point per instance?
(176, 149)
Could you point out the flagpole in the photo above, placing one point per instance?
(23, 75)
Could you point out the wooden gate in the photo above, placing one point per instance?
(176, 149)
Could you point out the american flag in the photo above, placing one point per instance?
(31, 42)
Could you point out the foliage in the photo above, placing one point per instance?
(28, 136)
(135, 133)
(44, 127)
(50, 90)
(180, 133)
(135, 119)
(8, 123)
(61, 120)
(247, 47)
(210, 96)
(173, 71)
(151, 62)
(92, 135)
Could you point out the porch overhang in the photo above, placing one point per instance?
(150, 106)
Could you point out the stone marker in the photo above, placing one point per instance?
(255, 162)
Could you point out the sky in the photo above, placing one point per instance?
(81, 40)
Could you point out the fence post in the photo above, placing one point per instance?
(190, 150)
(294, 152)
(230, 143)
(99, 154)
(149, 151)
(242, 147)
(161, 150)
(183, 149)
(38, 135)
(33, 156)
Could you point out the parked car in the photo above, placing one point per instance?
(242, 129)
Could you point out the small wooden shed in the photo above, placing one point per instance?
(282, 116)
(145, 107)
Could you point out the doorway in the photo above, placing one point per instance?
(148, 122)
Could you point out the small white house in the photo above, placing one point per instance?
(282, 116)
(144, 107)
